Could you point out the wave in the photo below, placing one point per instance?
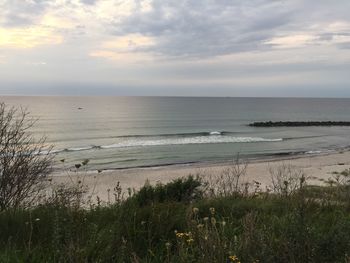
(186, 134)
(191, 140)
(78, 149)
(214, 138)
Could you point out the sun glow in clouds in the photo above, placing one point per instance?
(131, 47)
(24, 38)
(292, 41)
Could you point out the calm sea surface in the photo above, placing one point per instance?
(124, 132)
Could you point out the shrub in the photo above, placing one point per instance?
(228, 182)
(179, 190)
(286, 179)
(24, 160)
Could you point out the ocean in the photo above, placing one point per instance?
(128, 132)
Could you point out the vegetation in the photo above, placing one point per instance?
(183, 221)
(210, 218)
(24, 160)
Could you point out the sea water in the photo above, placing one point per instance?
(126, 132)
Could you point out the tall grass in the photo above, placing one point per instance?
(181, 222)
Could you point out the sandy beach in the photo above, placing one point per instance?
(315, 167)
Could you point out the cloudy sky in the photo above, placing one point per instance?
(175, 47)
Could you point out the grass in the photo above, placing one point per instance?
(177, 222)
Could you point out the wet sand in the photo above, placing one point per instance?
(316, 168)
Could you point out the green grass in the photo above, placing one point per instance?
(259, 228)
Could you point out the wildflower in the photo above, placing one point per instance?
(223, 223)
(179, 234)
(37, 219)
(195, 210)
(212, 210)
(234, 259)
(190, 240)
(184, 234)
(205, 219)
(213, 221)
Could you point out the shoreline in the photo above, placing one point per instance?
(251, 159)
(316, 167)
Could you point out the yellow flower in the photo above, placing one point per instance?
(179, 234)
(190, 240)
(234, 258)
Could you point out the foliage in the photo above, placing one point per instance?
(189, 219)
(179, 190)
(174, 228)
(229, 181)
(24, 161)
(286, 179)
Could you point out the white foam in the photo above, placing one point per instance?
(80, 148)
(313, 152)
(191, 140)
(215, 133)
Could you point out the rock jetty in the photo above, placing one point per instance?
(298, 123)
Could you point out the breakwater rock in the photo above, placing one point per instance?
(298, 123)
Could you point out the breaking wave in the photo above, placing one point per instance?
(188, 140)
(173, 141)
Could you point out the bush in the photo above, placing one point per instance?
(179, 190)
(24, 161)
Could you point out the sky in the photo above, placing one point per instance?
(245, 48)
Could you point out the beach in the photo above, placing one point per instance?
(317, 168)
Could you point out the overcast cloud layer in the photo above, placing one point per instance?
(159, 47)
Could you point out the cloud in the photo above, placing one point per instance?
(127, 48)
(168, 43)
(207, 28)
(292, 41)
(88, 2)
(24, 38)
(16, 13)
(212, 28)
(132, 42)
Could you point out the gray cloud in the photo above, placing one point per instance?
(209, 28)
(88, 2)
(22, 13)
(189, 36)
